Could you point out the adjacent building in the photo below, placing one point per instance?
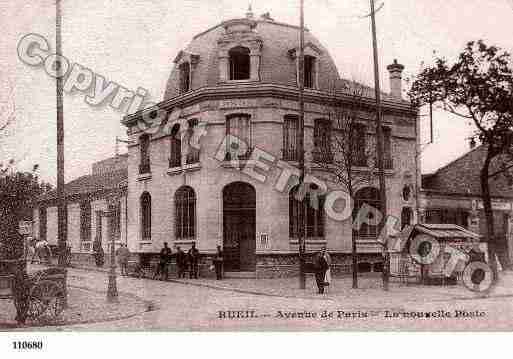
(87, 198)
(452, 194)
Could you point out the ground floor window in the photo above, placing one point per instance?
(146, 216)
(457, 216)
(185, 206)
(313, 214)
(369, 227)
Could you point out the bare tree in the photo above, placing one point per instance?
(349, 157)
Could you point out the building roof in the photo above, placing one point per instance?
(446, 232)
(462, 176)
(91, 184)
(276, 67)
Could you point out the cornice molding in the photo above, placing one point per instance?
(242, 91)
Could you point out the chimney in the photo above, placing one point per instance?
(396, 71)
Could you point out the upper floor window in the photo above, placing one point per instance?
(322, 141)
(359, 149)
(238, 131)
(144, 142)
(185, 76)
(387, 147)
(146, 216)
(85, 221)
(239, 63)
(309, 75)
(175, 159)
(290, 138)
(192, 141)
(185, 206)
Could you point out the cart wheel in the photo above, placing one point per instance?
(45, 300)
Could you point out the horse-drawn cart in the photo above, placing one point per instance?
(44, 291)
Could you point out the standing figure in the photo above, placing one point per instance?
(181, 262)
(163, 268)
(218, 263)
(322, 262)
(98, 253)
(123, 255)
(193, 261)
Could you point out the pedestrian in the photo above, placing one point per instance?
(98, 253)
(193, 261)
(322, 262)
(163, 268)
(123, 255)
(218, 263)
(181, 262)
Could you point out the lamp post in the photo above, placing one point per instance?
(111, 215)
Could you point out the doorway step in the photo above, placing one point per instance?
(240, 274)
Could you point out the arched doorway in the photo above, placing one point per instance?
(239, 227)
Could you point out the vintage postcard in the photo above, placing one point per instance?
(302, 165)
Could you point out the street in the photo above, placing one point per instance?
(189, 307)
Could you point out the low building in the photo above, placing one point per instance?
(86, 198)
(452, 194)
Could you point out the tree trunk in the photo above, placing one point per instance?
(354, 254)
(487, 205)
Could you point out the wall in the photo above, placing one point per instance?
(272, 206)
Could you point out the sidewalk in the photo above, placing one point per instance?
(369, 289)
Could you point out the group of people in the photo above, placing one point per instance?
(184, 261)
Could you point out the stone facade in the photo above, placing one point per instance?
(266, 98)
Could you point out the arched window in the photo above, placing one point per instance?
(175, 159)
(238, 125)
(185, 76)
(239, 63)
(146, 216)
(144, 143)
(185, 205)
(314, 221)
(371, 197)
(290, 138)
(322, 141)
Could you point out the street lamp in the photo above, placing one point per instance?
(111, 215)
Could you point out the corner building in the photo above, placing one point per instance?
(240, 78)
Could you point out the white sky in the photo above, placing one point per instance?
(134, 42)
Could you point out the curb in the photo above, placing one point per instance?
(149, 306)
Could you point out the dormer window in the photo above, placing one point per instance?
(239, 63)
(311, 64)
(185, 77)
(309, 79)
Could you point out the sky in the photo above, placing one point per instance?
(133, 43)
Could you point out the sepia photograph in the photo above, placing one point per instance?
(255, 166)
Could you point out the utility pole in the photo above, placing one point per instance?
(379, 145)
(301, 84)
(61, 197)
